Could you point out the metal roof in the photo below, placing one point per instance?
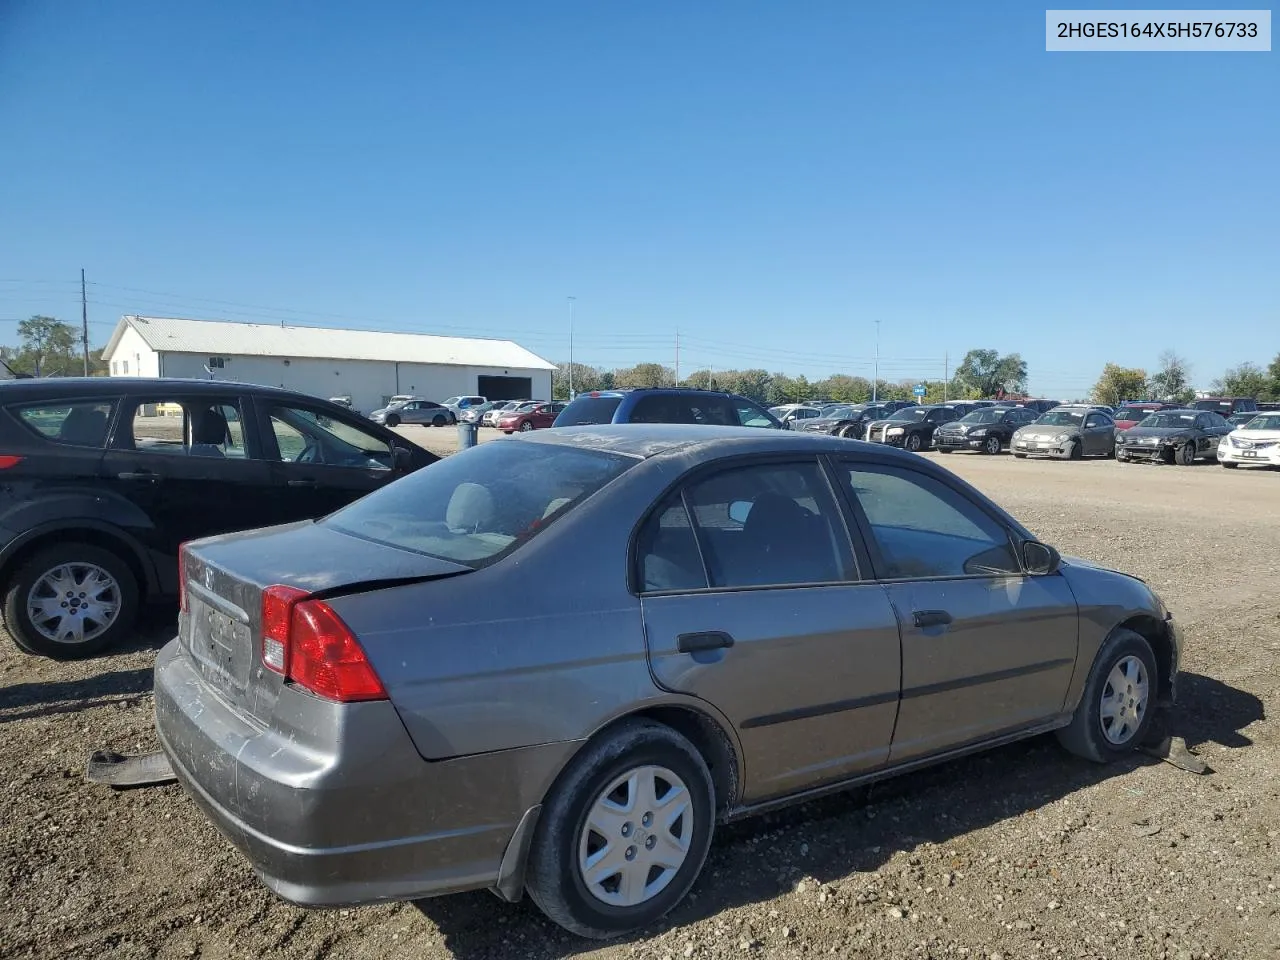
(224, 338)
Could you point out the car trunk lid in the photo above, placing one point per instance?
(224, 578)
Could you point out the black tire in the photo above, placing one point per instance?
(526, 426)
(1185, 455)
(439, 420)
(1229, 466)
(16, 591)
(1076, 451)
(553, 879)
(944, 449)
(1020, 456)
(913, 442)
(991, 446)
(1085, 736)
(393, 421)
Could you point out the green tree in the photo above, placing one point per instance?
(1118, 384)
(985, 372)
(1246, 380)
(752, 383)
(1172, 382)
(1273, 376)
(846, 389)
(585, 378)
(645, 375)
(49, 348)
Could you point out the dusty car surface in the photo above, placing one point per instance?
(1173, 436)
(1254, 443)
(988, 430)
(753, 618)
(1067, 433)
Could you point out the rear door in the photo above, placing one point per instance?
(986, 649)
(320, 461)
(190, 464)
(753, 601)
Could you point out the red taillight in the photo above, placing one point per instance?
(8, 460)
(306, 641)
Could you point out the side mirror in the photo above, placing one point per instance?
(739, 510)
(1040, 558)
(403, 459)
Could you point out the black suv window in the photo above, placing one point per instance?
(81, 423)
(587, 410)
(305, 436)
(184, 427)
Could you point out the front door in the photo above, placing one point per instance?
(1099, 435)
(320, 462)
(189, 463)
(986, 649)
(757, 607)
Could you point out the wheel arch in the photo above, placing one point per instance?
(1156, 633)
(91, 532)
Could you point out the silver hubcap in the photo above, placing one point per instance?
(993, 445)
(74, 602)
(1124, 700)
(636, 837)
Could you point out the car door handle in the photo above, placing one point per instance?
(138, 475)
(932, 618)
(300, 483)
(700, 642)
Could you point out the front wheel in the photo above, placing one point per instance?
(1118, 702)
(393, 421)
(526, 427)
(69, 601)
(1228, 465)
(1075, 450)
(991, 446)
(913, 442)
(1019, 456)
(1185, 455)
(624, 834)
(944, 449)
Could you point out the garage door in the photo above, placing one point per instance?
(506, 388)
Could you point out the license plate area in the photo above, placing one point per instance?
(1248, 453)
(221, 646)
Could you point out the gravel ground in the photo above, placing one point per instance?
(1023, 852)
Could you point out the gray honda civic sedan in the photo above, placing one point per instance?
(401, 700)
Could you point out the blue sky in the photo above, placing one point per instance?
(767, 178)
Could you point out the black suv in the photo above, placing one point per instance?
(101, 479)
(666, 405)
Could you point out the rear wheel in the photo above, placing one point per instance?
(1118, 702)
(991, 446)
(624, 834)
(439, 420)
(70, 601)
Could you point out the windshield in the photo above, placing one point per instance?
(1166, 420)
(911, 414)
(588, 410)
(1266, 421)
(1061, 418)
(983, 416)
(482, 503)
(838, 412)
(451, 402)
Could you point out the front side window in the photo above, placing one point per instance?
(1097, 420)
(81, 423)
(482, 504)
(767, 525)
(304, 436)
(749, 415)
(923, 528)
(190, 427)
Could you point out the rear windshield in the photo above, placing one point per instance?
(1215, 405)
(1133, 413)
(588, 410)
(477, 506)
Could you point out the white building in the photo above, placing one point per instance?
(367, 366)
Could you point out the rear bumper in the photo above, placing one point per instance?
(346, 812)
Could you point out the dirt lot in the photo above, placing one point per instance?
(1020, 853)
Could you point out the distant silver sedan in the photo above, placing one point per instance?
(399, 701)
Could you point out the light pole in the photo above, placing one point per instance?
(875, 382)
(571, 300)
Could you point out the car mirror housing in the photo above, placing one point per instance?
(1040, 559)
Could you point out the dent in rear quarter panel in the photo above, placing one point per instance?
(1105, 600)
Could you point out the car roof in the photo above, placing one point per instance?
(653, 439)
(627, 391)
(97, 386)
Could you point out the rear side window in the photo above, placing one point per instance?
(475, 507)
(78, 424)
(195, 428)
(586, 411)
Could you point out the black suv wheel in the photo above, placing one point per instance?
(70, 600)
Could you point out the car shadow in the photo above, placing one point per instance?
(858, 831)
(25, 701)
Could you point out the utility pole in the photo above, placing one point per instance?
(84, 322)
(875, 383)
(571, 300)
(677, 356)
(946, 375)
